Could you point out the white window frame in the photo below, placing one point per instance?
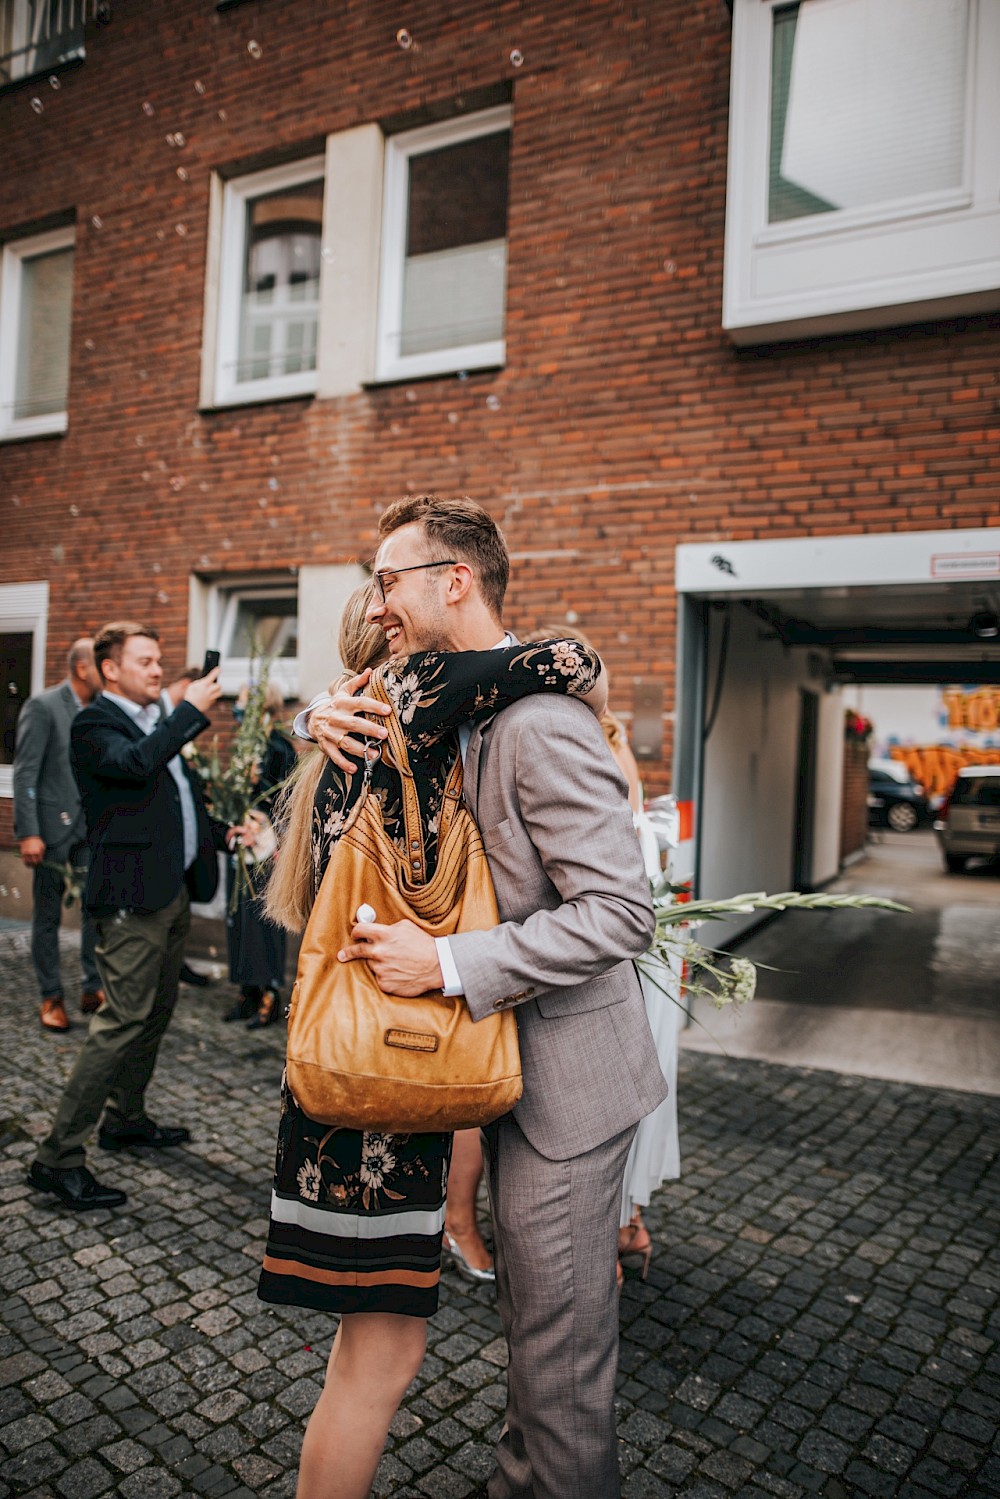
(22, 57)
(24, 610)
(228, 391)
(225, 596)
(15, 253)
(390, 365)
(932, 255)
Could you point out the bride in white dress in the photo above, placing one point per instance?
(655, 1154)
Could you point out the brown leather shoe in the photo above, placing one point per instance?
(53, 1015)
(91, 1000)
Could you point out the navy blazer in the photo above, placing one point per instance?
(133, 810)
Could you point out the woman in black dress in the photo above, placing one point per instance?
(357, 1217)
(257, 945)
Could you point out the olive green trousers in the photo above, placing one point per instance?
(139, 956)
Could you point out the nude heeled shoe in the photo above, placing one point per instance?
(634, 1239)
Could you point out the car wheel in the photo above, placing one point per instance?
(955, 863)
(902, 817)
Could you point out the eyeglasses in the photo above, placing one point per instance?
(393, 572)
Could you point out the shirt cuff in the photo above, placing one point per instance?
(452, 982)
(300, 724)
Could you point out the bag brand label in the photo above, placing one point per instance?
(411, 1040)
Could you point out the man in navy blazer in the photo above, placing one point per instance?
(152, 847)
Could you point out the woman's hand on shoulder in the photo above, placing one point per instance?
(341, 725)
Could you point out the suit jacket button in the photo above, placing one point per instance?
(498, 1004)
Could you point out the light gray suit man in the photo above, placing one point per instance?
(575, 911)
(50, 827)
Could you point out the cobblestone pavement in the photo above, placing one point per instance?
(820, 1315)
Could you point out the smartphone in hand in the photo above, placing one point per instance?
(211, 661)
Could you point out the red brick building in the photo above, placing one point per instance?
(301, 258)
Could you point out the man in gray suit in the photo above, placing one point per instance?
(49, 823)
(575, 911)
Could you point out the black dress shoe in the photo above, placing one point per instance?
(77, 1187)
(192, 977)
(147, 1134)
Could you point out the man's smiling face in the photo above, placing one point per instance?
(413, 615)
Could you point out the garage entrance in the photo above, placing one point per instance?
(771, 633)
(777, 639)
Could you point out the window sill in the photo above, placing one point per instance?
(38, 426)
(258, 398)
(57, 69)
(844, 221)
(444, 362)
(398, 375)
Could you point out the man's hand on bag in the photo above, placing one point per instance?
(32, 851)
(341, 726)
(402, 957)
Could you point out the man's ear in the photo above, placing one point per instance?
(461, 583)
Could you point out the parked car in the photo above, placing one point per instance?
(969, 822)
(895, 799)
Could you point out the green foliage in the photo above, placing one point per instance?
(713, 974)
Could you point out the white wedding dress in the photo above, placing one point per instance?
(655, 1155)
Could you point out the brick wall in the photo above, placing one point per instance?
(624, 420)
(854, 806)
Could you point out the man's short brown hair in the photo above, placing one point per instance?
(463, 530)
(109, 641)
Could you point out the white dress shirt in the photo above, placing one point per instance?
(148, 719)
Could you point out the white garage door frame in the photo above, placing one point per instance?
(713, 570)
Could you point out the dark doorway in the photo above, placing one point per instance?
(15, 686)
(805, 791)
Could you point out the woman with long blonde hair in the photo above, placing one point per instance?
(357, 1218)
(293, 885)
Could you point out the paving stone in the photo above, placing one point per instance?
(820, 1318)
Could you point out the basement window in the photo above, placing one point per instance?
(864, 156)
(256, 620)
(36, 297)
(444, 247)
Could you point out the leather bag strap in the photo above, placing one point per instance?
(395, 743)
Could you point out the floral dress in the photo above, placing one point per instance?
(357, 1217)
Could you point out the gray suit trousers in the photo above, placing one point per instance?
(556, 1242)
(48, 886)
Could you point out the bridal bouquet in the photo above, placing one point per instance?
(726, 980)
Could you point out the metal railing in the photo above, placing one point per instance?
(39, 35)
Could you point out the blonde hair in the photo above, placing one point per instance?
(291, 889)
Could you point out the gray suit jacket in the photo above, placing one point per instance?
(575, 911)
(46, 796)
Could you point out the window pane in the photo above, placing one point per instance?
(867, 103)
(266, 627)
(42, 375)
(455, 276)
(280, 303)
(36, 35)
(976, 791)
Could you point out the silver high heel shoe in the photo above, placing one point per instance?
(450, 1252)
